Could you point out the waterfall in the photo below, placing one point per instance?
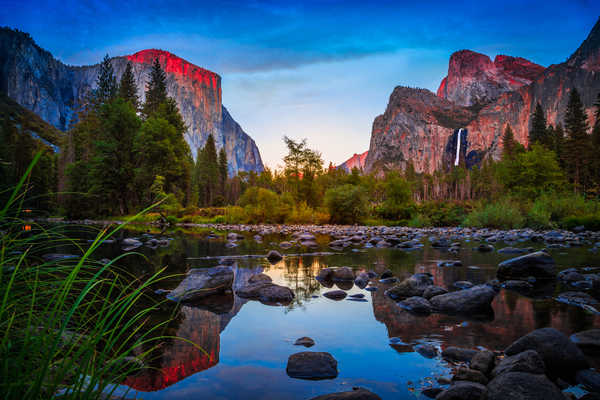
(457, 148)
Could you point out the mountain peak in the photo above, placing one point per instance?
(473, 78)
(177, 66)
(587, 56)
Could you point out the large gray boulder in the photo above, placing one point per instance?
(538, 264)
(464, 391)
(354, 394)
(312, 365)
(473, 301)
(260, 287)
(413, 286)
(202, 282)
(528, 361)
(562, 357)
(522, 386)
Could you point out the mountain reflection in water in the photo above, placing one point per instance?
(242, 346)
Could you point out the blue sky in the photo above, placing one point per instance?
(318, 69)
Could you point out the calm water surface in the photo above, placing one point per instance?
(246, 344)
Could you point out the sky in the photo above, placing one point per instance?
(321, 70)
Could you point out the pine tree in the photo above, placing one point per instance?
(538, 132)
(508, 143)
(128, 88)
(207, 172)
(223, 170)
(577, 147)
(106, 82)
(156, 90)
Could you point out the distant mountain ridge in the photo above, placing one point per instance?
(35, 79)
(482, 97)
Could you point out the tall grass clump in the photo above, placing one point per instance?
(69, 326)
(503, 214)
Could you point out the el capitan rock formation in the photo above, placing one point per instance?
(482, 97)
(53, 90)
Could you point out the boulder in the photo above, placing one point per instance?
(335, 294)
(523, 386)
(464, 391)
(458, 354)
(538, 264)
(354, 394)
(588, 341)
(416, 304)
(312, 365)
(261, 288)
(202, 282)
(462, 284)
(339, 274)
(471, 375)
(362, 280)
(562, 357)
(432, 291)
(576, 299)
(527, 361)
(273, 256)
(483, 361)
(431, 392)
(473, 301)
(413, 286)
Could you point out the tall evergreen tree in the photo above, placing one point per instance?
(223, 170)
(596, 147)
(106, 82)
(207, 167)
(577, 146)
(538, 132)
(156, 90)
(508, 143)
(128, 88)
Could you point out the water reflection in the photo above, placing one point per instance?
(240, 335)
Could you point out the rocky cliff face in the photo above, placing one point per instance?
(51, 89)
(474, 79)
(356, 161)
(482, 97)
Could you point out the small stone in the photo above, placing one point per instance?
(304, 341)
(335, 294)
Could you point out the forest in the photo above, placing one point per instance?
(121, 156)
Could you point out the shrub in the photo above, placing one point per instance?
(501, 215)
(444, 213)
(347, 204)
(590, 222)
(419, 221)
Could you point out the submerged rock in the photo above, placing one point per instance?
(427, 350)
(312, 365)
(562, 357)
(590, 379)
(202, 282)
(354, 394)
